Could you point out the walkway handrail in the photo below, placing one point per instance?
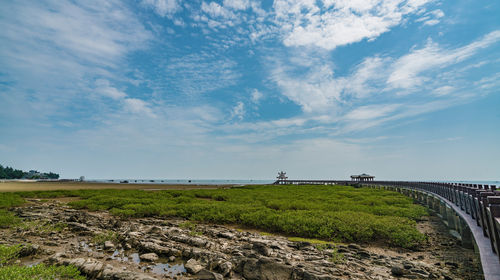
(477, 204)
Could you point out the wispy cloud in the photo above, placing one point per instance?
(200, 73)
(407, 70)
(329, 24)
(163, 7)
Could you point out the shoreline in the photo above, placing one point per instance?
(21, 186)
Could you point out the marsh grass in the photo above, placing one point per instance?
(42, 227)
(8, 200)
(9, 253)
(40, 272)
(330, 213)
(102, 237)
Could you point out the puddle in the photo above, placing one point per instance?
(166, 269)
(135, 258)
(85, 246)
(162, 268)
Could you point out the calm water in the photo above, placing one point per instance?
(232, 182)
(185, 181)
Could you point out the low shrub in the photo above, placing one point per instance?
(40, 272)
(332, 213)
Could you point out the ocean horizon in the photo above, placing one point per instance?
(247, 181)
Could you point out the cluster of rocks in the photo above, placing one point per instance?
(212, 251)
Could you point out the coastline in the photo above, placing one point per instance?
(10, 186)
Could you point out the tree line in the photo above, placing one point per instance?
(11, 173)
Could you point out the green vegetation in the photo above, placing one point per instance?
(102, 237)
(309, 240)
(8, 271)
(333, 213)
(336, 257)
(11, 173)
(8, 200)
(40, 272)
(42, 227)
(9, 253)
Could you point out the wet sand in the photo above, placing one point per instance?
(50, 186)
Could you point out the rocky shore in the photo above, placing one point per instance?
(106, 247)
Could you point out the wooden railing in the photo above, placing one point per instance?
(477, 207)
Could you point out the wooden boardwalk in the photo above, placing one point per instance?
(472, 210)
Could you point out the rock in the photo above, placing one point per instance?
(364, 254)
(208, 275)
(108, 245)
(149, 257)
(354, 247)
(29, 250)
(261, 248)
(407, 265)
(226, 234)
(193, 266)
(171, 258)
(225, 268)
(397, 270)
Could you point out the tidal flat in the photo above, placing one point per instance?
(249, 232)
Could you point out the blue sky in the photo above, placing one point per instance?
(401, 89)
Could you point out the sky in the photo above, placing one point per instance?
(206, 89)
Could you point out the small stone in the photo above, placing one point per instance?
(193, 266)
(397, 270)
(149, 257)
(171, 258)
(109, 245)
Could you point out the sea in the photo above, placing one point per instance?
(235, 182)
(183, 181)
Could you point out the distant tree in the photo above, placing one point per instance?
(11, 173)
(51, 175)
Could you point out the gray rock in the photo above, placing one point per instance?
(397, 270)
(208, 275)
(108, 245)
(193, 266)
(149, 257)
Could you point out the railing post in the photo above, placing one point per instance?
(493, 216)
(484, 217)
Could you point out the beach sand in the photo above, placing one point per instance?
(10, 186)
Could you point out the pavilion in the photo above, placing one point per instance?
(362, 178)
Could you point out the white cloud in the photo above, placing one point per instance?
(256, 96)
(138, 106)
(163, 7)
(104, 88)
(407, 69)
(444, 90)
(238, 111)
(371, 112)
(200, 73)
(328, 24)
(432, 17)
(216, 10)
(237, 4)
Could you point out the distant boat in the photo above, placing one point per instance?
(124, 182)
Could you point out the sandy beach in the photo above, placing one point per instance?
(10, 186)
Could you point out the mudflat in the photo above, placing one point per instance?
(51, 186)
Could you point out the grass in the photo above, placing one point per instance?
(8, 271)
(309, 240)
(100, 238)
(39, 272)
(9, 253)
(42, 227)
(8, 200)
(330, 213)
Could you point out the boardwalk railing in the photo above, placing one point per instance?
(471, 210)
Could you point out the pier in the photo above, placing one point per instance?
(470, 211)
